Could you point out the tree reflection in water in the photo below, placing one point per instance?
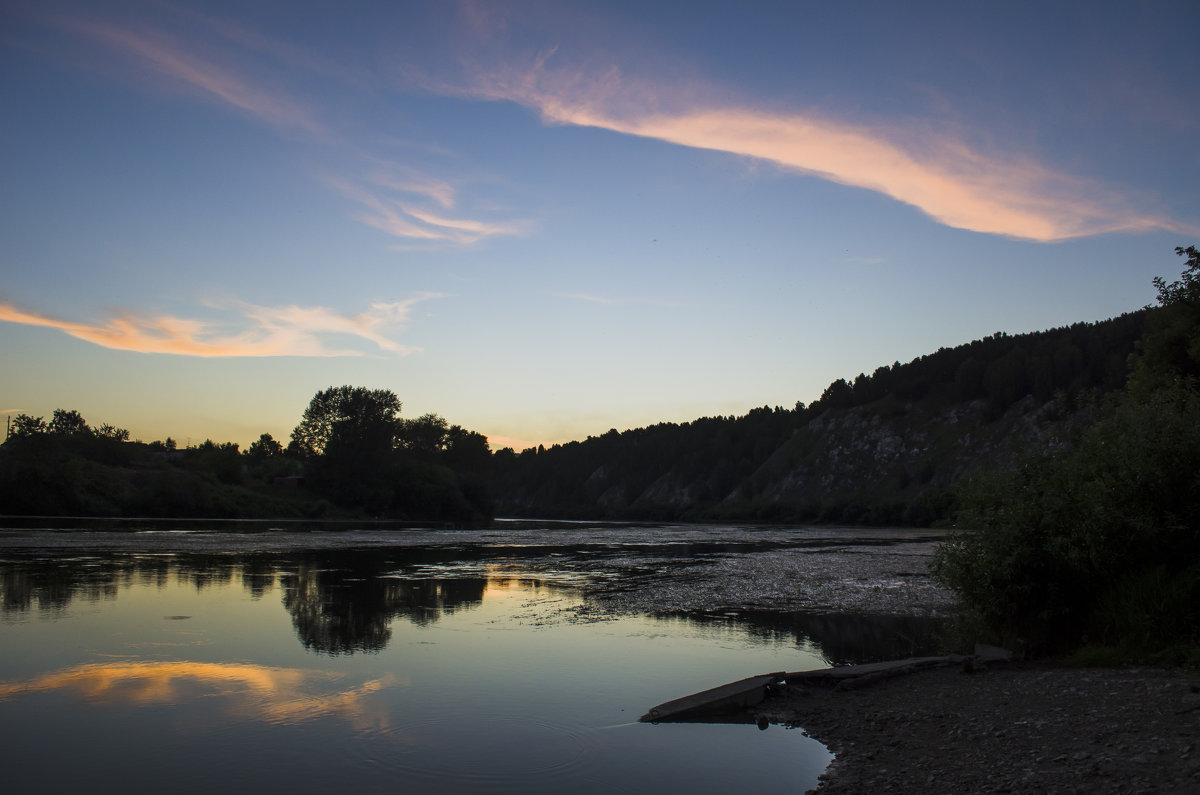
(344, 601)
(340, 604)
(348, 610)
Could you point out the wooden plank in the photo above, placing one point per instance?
(726, 698)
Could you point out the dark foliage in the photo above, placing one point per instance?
(350, 454)
(359, 452)
(1098, 541)
(775, 464)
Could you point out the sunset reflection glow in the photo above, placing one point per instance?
(271, 695)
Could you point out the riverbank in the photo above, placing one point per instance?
(1016, 728)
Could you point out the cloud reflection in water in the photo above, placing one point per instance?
(281, 696)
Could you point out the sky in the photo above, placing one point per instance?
(543, 220)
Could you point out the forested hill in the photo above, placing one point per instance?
(883, 448)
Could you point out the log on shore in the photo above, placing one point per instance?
(732, 697)
(737, 697)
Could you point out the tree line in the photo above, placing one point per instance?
(352, 454)
(721, 468)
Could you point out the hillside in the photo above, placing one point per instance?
(882, 448)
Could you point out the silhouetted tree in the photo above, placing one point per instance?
(266, 447)
(23, 426)
(68, 423)
(349, 435)
(1187, 289)
(113, 433)
(222, 460)
(1170, 352)
(347, 418)
(425, 436)
(467, 451)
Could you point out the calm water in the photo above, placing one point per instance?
(196, 662)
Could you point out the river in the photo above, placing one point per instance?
(195, 657)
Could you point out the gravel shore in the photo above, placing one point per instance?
(1016, 728)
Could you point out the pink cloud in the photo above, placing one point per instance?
(937, 173)
(403, 219)
(404, 179)
(259, 331)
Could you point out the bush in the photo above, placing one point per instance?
(1058, 546)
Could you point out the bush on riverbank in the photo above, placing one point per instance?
(1097, 542)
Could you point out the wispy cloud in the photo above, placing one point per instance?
(292, 56)
(174, 59)
(255, 331)
(237, 70)
(408, 180)
(934, 171)
(399, 217)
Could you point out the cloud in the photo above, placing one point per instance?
(292, 56)
(258, 330)
(235, 67)
(404, 179)
(168, 57)
(403, 219)
(934, 171)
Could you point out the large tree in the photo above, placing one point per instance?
(347, 417)
(69, 423)
(349, 435)
(425, 437)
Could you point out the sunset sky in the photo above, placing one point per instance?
(544, 220)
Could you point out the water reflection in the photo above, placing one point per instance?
(344, 602)
(249, 692)
(484, 675)
(850, 638)
(34, 588)
(350, 609)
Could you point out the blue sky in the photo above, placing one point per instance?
(545, 220)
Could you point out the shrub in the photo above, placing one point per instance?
(1056, 545)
